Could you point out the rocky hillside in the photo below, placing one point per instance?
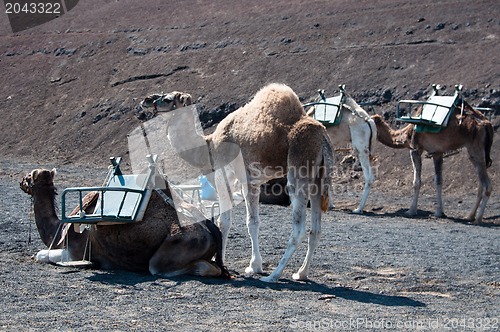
(70, 88)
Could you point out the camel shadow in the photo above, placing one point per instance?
(323, 291)
(421, 214)
(400, 213)
(131, 279)
(121, 278)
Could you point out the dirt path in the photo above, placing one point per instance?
(370, 272)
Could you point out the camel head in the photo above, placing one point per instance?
(377, 119)
(38, 178)
(167, 102)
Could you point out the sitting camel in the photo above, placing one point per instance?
(274, 137)
(356, 128)
(467, 128)
(158, 244)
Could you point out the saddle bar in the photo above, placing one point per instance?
(331, 112)
(122, 198)
(435, 111)
(103, 213)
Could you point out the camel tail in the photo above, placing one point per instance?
(326, 171)
(217, 235)
(373, 133)
(487, 144)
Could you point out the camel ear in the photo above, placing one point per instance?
(53, 173)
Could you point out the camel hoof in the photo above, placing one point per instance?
(439, 215)
(269, 279)
(478, 221)
(411, 213)
(297, 276)
(471, 217)
(357, 211)
(251, 270)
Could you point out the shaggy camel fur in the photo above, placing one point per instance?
(356, 128)
(471, 130)
(273, 136)
(158, 244)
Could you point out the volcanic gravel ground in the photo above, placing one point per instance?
(380, 270)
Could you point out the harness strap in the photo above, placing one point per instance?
(165, 198)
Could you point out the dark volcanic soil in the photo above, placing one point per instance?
(70, 95)
(381, 270)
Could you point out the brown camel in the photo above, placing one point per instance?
(467, 128)
(158, 243)
(268, 138)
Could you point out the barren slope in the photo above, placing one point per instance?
(70, 86)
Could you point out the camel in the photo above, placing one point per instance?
(467, 128)
(355, 128)
(273, 137)
(158, 243)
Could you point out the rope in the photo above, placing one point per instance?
(461, 112)
(29, 221)
(88, 245)
(165, 198)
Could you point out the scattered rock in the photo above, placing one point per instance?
(286, 41)
(386, 96)
(63, 51)
(194, 46)
(439, 26)
(137, 51)
(209, 118)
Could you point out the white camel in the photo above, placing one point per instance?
(274, 136)
(355, 127)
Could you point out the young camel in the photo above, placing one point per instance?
(274, 136)
(467, 128)
(158, 244)
(356, 128)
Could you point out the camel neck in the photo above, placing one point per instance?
(46, 218)
(185, 136)
(397, 139)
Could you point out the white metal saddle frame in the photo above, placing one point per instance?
(436, 111)
(328, 110)
(122, 199)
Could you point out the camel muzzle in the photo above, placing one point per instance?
(26, 185)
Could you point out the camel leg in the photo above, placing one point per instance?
(185, 253)
(416, 159)
(314, 235)
(438, 180)
(226, 207)
(486, 193)
(484, 190)
(299, 198)
(360, 141)
(364, 159)
(252, 205)
(331, 194)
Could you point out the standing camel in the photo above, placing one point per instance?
(356, 128)
(158, 243)
(467, 128)
(274, 137)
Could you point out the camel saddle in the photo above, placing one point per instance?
(328, 110)
(435, 112)
(122, 198)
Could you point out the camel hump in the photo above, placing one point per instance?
(305, 142)
(279, 102)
